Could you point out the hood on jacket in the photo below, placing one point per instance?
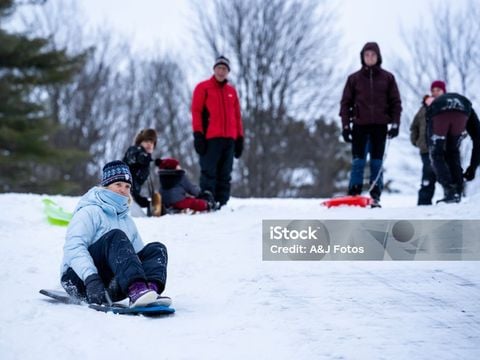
(98, 196)
(374, 47)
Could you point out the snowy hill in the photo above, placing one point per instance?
(232, 305)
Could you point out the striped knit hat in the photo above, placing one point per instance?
(116, 171)
(222, 60)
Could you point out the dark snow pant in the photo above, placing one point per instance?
(446, 163)
(119, 266)
(216, 168)
(446, 137)
(367, 139)
(427, 188)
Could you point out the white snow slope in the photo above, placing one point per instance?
(232, 305)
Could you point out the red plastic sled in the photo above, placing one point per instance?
(362, 201)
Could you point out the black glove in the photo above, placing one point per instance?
(158, 162)
(145, 159)
(200, 143)
(95, 289)
(238, 147)
(469, 174)
(393, 132)
(347, 134)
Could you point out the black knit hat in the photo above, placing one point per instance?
(146, 134)
(116, 171)
(222, 60)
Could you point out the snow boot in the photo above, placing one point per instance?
(140, 294)
(161, 300)
(355, 189)
(451, 195)
(208, 197)
(375, 195)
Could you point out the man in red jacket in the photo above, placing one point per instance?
(217, 130)
(372, 100)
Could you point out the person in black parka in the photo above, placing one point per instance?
(139, 158)
(372, 95)
(448, 117)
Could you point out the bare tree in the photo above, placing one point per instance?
(283, 56)
(157, 97)
(116, 94)
(447, 49)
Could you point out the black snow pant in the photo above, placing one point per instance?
(445, 137)
(216, 168)
(446, 162)
(427, 188)
(119, 266)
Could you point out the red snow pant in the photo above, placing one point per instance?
(449, 123)
(191, 203)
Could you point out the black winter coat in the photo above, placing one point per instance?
(138, 160)
(372, 93)
(473, 130)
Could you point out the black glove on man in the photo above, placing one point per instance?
(393, 132)
(238, 147)
(347, 134)
(469, 174)
(200, 143)
(95, 289)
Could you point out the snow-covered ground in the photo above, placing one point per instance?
(232, 305)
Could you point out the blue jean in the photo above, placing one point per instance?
(427, 188)
(358, 167)
(368, 139)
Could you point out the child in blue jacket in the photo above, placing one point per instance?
(103, 249)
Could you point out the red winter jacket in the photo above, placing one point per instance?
(216, 110)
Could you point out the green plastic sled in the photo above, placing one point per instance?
(55, 214)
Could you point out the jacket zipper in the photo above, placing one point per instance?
(371, 97)
(222, 92)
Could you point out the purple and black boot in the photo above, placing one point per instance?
(140, 294)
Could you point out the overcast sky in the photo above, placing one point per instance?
(165, 24)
